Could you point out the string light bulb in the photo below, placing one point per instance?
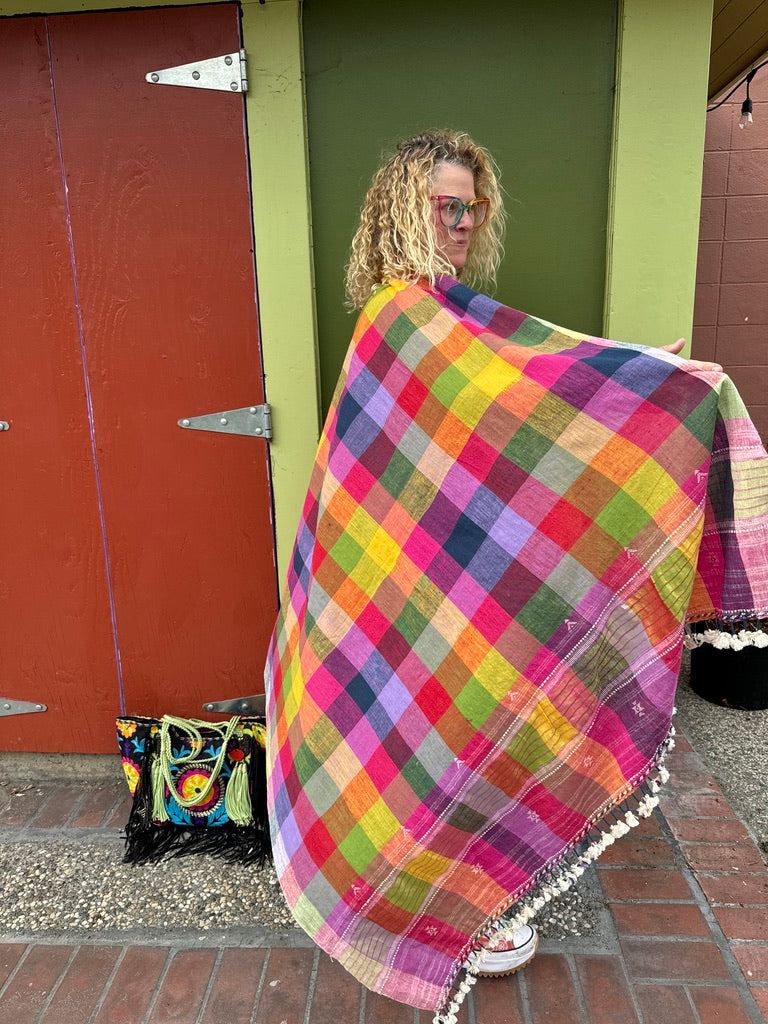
(746, 107)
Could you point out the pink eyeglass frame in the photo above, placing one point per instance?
(465, 208)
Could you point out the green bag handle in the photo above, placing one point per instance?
(192, 728)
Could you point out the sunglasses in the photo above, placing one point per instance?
(451, 210)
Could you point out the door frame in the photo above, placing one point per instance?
(279, 170)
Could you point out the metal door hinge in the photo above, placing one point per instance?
(19, 707)
(227, 73)
(255, 705)
(253, 420)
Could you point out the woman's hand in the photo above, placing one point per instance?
(675, 347)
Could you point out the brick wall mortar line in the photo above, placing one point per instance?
(119, 797)
(14, 972)
(108, 985)
(57, 984)
(630, 986)
(311, 986)
(48, 798)
(705, 769)
(209, 987)
(580, 998)
(260, 987)
(525, 1000)
(694, 1011)
(75, 809)
(158, 986)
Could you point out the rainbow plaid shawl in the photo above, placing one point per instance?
(476, 658)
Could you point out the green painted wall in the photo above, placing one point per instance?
(532, 80)
(656, 168)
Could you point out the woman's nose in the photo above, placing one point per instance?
(467, 221)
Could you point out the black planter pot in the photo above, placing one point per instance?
(733, 679)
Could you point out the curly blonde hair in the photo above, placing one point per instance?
(396, 237)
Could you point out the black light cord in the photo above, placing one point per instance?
(747, 78)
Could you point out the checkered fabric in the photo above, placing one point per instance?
(479, 641)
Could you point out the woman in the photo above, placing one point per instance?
(471, 680)
(435, 207)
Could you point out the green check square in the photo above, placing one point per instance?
(401, 331)
(527, 448)
(410, 623)
(420, 781)
(532, 332)
(357, 849)
(700, 421)
(346, 553)
(544, 613)
(417, 494)
(397, 474)
(323, 740)
(408, 892)
(449, 385)
(600, 664)
(305, 763)
(669, 579)
(529, 750)
(475, 703)
(622, 518)
(552, 416)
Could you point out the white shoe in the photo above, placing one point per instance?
(509, 955)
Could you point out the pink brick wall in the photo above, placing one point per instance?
(731, 311)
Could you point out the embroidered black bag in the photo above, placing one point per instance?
(197, 787)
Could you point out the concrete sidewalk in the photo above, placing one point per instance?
(682, 935)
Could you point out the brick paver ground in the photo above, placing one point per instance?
(684, 939)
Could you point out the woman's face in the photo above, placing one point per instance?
(453, 180)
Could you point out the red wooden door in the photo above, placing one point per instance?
(137, 559)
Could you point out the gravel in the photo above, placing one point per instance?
(573, 913)
(64, 886)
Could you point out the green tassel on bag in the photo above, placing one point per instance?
(237, 797)
(159, 813)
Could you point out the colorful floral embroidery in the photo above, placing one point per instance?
(131, 774)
